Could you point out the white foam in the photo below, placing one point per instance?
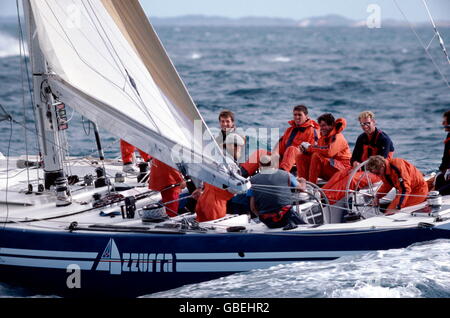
(421, 270)
(9, 46)
(282, 59)
(196, 56)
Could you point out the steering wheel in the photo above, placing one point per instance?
(316, 193)
(362, 198)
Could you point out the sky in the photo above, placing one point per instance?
(295, 9)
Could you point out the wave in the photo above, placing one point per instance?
(195, 56)
(9, 46)
(281, 59)
(420, 270)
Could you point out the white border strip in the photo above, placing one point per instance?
(44, 253)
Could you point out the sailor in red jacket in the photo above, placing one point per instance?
(169, 182)
(330, 155)
(398, 173)
(302, 129)
(127, 152)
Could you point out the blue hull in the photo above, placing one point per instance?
(129, 265)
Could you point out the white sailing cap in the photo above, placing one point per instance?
(234, 139)
(265, 160)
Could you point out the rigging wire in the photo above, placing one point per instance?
(423, 45)
(7, 171)
(140, 105)
(21, 70)
(436, 32)
(30, 85)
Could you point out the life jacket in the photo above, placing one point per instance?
(371, 149)
(274, 219)
(334, 145)
(402, 184)
(296, 135)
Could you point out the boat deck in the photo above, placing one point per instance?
(38, 210)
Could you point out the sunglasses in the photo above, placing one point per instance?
(367, 123)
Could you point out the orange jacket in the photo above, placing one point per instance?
(334, 145)
(404, 177)
(307, 132)
(212, 204)
(163, 176)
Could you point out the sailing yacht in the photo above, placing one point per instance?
(77, 227)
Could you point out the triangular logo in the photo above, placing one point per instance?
(111, 260)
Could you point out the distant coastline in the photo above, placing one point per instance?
(320, 21)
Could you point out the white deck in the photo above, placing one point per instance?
(39, 211)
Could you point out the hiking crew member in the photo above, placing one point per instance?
(443, 178)
(169, 182)
(372, 142)
(273, 207)
(127, 152)
(212, 201)
(403, 176)
(329, 156)
(302, 129)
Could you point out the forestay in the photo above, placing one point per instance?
(107, 62)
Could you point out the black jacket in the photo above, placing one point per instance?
(446, 157)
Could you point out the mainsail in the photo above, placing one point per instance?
(106, 61)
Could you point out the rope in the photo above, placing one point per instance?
(332, 190)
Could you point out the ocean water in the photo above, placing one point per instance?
(260, 73)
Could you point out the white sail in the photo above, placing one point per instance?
(107, 63)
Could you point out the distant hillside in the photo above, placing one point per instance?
(201, 20)
(320, 21)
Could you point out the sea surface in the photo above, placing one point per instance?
(260, 73)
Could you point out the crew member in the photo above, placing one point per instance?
(404, 177)
(228, 126)
(169, 182)
(329, 156)
(302, 129)
(212, 201)
(274, 207)
(371, 142)
(127, 152)
(442, 183)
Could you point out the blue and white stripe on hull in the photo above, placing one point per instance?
(144, 263)
(185, 262)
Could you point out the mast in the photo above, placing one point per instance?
(43, 102)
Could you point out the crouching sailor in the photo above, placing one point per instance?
(169, 182)
(404, 177)
(127, 150)
(271, 196)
